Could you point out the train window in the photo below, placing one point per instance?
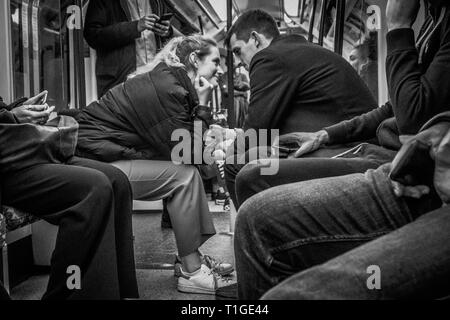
(38, 61)
(360, 41)
(359, 35)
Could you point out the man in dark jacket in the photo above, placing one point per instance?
(126, 35)
(91, 203)
(295, 85)
(418, 91)
(298, 226)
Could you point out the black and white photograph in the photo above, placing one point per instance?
(224, 158)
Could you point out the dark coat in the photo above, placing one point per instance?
(418, 90)
(297, 86)
(109, 30)
(136, 120)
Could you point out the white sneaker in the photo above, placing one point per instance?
(217, 266)
(204, 281)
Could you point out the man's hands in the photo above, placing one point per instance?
(35, 114)
(402, 13)
(152, 23)
(307, 142)
(416, 192)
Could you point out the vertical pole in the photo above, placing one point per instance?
(322, 22)
(80, 83)
(311, 22)
(340, 23)
(231, 110)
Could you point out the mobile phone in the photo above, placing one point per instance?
(42, 98)
(166, 17)
(413, 165)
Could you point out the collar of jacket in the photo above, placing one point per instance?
(282, 38)
(289, 37)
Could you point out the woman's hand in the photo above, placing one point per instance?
(204, 90)
(33, 114)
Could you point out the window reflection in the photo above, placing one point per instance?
(39, 46)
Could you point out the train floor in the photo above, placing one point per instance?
(155, 252)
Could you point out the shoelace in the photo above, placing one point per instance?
(212, 262)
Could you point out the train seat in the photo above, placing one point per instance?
(16, 225)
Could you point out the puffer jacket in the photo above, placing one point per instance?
(136, 119)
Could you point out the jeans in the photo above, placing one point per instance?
(250, 181)
(245, 181)
(91, 203)
(288, 229)
(414, 263)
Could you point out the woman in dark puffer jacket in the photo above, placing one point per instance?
(131, 127)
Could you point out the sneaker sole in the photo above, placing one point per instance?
(189, 289)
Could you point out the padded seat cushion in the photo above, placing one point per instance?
(15, 219)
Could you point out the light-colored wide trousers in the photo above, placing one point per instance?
(183, 188)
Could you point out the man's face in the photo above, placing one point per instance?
(244, 51)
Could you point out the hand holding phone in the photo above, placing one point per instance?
(165, 17)
(40, 99)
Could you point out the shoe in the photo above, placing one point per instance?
(227, 205)
(204, 281)
(221, 268)
(165, 220)
(220, 198)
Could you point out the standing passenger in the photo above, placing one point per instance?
(126, 35)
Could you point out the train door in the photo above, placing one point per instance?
(44, 49)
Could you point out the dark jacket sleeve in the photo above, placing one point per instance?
(363, 127)
(108, 151)
(102, 36)
(272, 87)
(416, 96)
(5, 115)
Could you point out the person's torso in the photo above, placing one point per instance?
(146, 45)
(328, 90)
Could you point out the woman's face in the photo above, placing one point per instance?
(209, 66)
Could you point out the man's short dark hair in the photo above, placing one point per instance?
(253, 20)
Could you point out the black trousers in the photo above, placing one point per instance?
(91, 202)
(245, 181)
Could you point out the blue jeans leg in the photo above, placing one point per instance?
(288, 229)
(413, 262)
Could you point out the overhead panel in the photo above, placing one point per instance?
(191, 12)
(274, 7)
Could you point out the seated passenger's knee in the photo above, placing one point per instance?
(248, 175)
